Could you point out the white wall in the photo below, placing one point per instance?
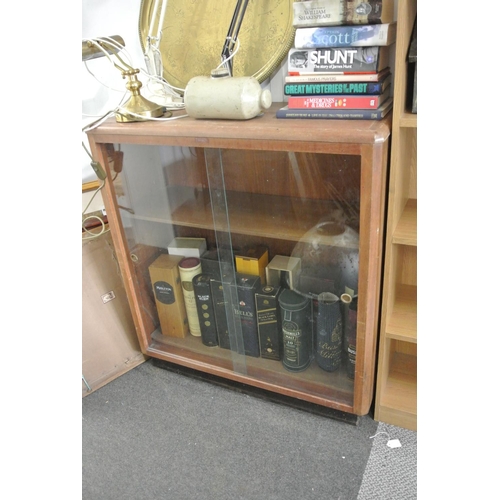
(121, 17)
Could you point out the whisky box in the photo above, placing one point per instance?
(187, 247)
(283, 271)
(219, 304)
(166, 283)
(253, 261)
(245, 313)
(205, 308)
(269, 322)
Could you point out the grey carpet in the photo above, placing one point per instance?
(391, 473)
(155, 434)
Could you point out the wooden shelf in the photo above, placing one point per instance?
(406, 229)
(402, 323)
(408, 120)
(399, 400)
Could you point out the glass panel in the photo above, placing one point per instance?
(279, 255)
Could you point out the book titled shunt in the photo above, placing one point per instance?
(338, 60)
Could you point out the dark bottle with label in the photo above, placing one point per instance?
(296, 329)
(329, 331)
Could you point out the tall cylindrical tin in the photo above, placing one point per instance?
(296, 330)
(328, 332)
(350, 331)
(189, 267)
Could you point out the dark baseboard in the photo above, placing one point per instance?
(322, 411)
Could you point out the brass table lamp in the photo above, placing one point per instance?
(137, 108)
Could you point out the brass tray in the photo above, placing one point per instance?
(194, 32)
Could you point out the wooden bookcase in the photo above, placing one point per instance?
(280, 178)
(396, 394)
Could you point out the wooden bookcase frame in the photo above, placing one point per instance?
(363, 138)
(396, 395)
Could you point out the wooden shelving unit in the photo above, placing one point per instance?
(396, 392)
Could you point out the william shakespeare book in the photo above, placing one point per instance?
(338, 60)
(338, 12)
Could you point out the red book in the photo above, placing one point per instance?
(338, 101)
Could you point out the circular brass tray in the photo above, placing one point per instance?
(194, 32)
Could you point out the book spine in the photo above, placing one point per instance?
(335, 102)
(337, 60)
(205, 307)
(338, 12)
(333, 77)
(329, 88)
(333, 114)
(344, 36)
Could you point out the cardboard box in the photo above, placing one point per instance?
(167, 290)
(110, 346)
(283, 271)
(219, 304)
(269, 322)
(245, 313)
(210, 263)
(253, 260)
(187, 247)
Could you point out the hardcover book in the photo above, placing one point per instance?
(338, 60)
(338, 12)
(345, 36)
(337, 114)
(339, 101)
(338, 77)
(338, 88)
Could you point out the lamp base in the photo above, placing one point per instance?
(138, 108)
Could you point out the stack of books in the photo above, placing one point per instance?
(338, 67)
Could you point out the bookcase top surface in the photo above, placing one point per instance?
(257, 133)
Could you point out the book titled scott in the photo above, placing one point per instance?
(337, 12)
(345, 36)
(338, 60)
(338, 101)
(337, 114)
(337, 88)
